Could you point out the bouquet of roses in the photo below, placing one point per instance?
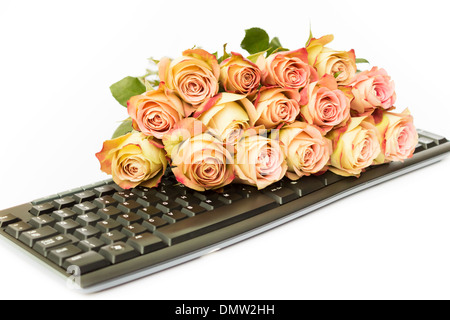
(214, 120)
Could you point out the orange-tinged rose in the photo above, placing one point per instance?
(239, 75)
(356, 147)
(133, 160)
(287, 69)
(332, 62)
(155, 112)
(194, 76)
(307, 151)
(277, 106)
(202, 163)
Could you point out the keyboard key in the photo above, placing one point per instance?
(129, 206)
(104, 202)
(148, 212)
(42, 208)
(437, 138)
(280, 194)
(174, 216)
(146, 242)
(109, 213)
(143, 191)
(229, 198)
(247, 191)
(118, 252)
(7, 218)
(44, 246)
(124, 196)
(91, 244)
(89, 218)
(60, 254)
(108, 225)
(16, 229)
(329, 178)
(69, 192)
(211, 204)
(186, 200)
(93, 185)
(63, 203)
(128, 219)
(42, 221)
(167, 206)
(304, 185)
(67, 226)
(113, 236)
(86, 232)
(44, 200)
(87, 262)
(133, 230)
(221, 217)
(104, 190)
(205, 195)
(154, 223)
(166, 194)
(427, 143)
(61, 215)
(85, 207)
(148, 200)
(32, 236)
(193, 210)
(84, 196)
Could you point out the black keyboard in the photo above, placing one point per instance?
(100, 235)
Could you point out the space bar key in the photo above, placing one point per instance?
(219, 218)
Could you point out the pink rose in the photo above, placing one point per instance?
(259, 161)
(239, 75)
(194, 76)
(372, 89)
(307, 151)
(277, 106)
(202, 163)
(399, 136)
(154, 113)
(327, 106)
(133, 159)
(355, 147)
(287, 69)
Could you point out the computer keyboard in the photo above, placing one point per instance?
(99, 235)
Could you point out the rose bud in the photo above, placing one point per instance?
(341, 64)
(155, 112)
(194, 76)
(133, 159)
(372, 89)
(307, 151)
(239, 75)
(259, 161)
(327, 107)
(356, 146)
(287, 69)
(202, 163)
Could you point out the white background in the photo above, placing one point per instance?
(58, 59)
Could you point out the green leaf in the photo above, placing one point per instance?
(125, 127)
(274, 45)
(255, 56)
(361, 60)
(255, 40)
(126, 88)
